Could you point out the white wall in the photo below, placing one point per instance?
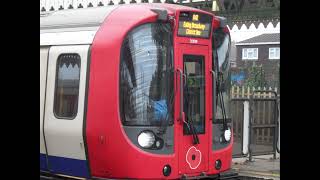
(245, 33)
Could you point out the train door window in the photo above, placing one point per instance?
(67, 86)
(194, 92)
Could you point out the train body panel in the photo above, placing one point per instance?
(63, 126)
(190, 57)
(67, 38)
(105, 74)
(44, 51)
(92, 128)
(77, 26)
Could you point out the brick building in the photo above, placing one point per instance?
(261, 51)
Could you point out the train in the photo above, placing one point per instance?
(136, 91)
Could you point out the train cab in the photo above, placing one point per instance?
(134, 92)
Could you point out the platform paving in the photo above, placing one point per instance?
(261, 167)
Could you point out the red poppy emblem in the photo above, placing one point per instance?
(193, 157)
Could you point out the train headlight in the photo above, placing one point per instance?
(227, 135)
(146, 139)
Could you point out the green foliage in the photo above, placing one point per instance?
(255, 77)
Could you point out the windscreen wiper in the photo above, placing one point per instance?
(194, 132)
(220, 97)
(189, 121)
(165, 121)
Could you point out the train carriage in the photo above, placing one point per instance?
(134, 91)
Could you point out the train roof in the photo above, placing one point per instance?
(74, 19)
(79, 26)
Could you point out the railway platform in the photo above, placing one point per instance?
(262, 167)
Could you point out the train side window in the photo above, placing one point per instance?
(67, 86)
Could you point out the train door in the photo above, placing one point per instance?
(64, 111)
(194, 131)
(43, 77)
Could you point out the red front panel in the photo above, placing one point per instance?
(193, 60)
(111, 153)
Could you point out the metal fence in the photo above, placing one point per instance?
(255, 114)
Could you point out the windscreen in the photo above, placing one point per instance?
(221, 47)
(146, 76)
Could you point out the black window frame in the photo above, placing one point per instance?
(56, 87)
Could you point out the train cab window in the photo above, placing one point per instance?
(67, 86)
(146, 76)
(221, 45)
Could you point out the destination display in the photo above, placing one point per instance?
(192, 24)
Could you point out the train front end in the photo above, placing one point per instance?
(158, 100)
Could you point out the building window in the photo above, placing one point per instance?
(274, 53)
(67, 86)
(250, 53)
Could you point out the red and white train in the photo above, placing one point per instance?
(134, 91)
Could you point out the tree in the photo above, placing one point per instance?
(255, 77)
